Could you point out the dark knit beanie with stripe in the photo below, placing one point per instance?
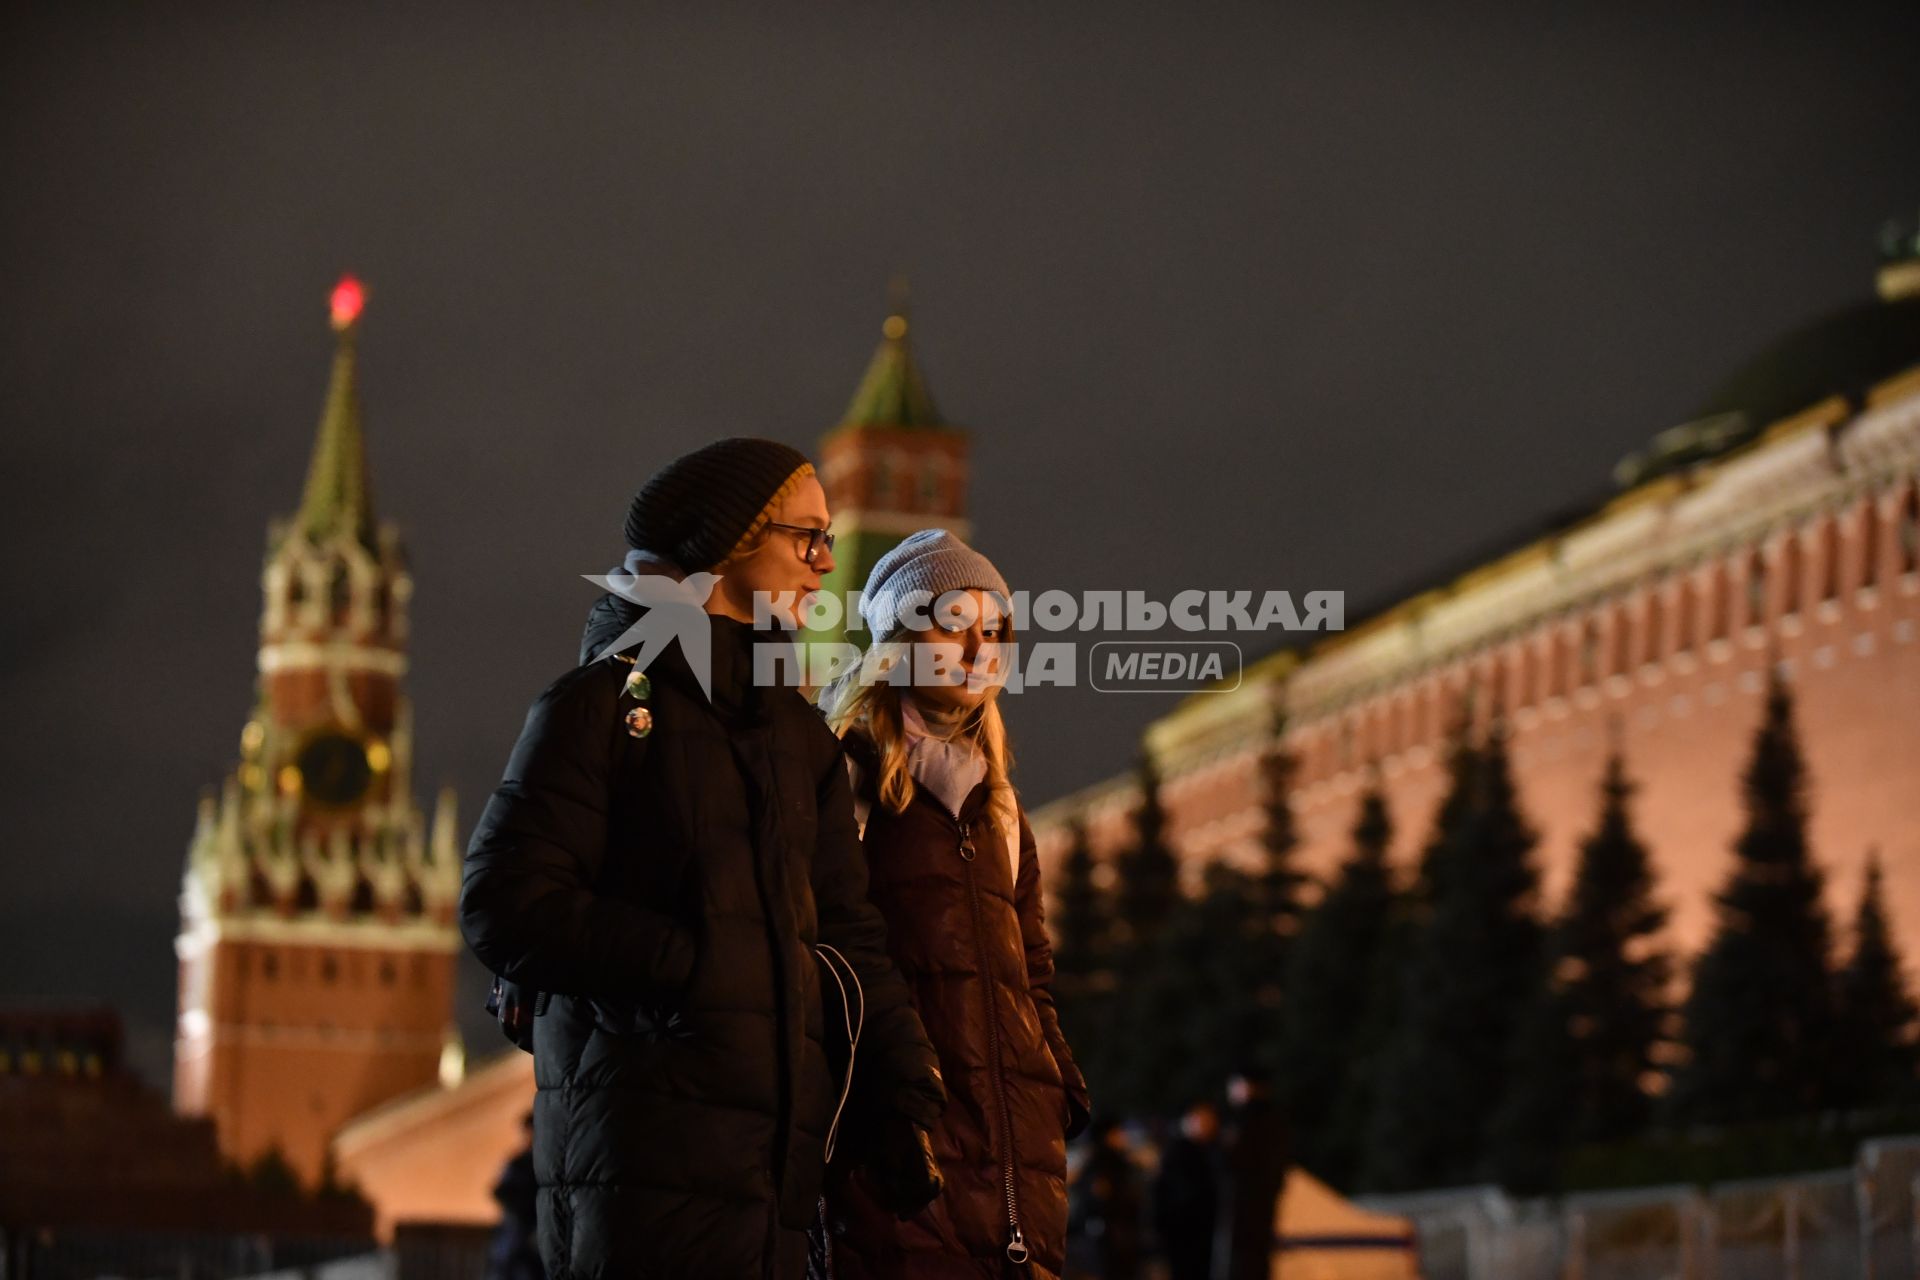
(698, 508)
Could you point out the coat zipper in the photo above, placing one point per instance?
(777, 962)
(1017, 1251)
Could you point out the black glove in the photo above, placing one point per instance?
(516, 1007)
(901, 1171)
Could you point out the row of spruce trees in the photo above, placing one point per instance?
(1449, 1030)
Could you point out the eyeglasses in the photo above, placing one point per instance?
(816, 538)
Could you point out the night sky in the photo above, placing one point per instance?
(1306, 299)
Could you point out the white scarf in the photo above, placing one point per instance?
(950, 768)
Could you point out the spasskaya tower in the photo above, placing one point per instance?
(317, 942)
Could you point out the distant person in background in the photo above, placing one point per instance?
(1186, 1197)
(514, 1251)
(1257, 1159)
(1104, 1208)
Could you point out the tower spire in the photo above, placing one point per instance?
(899, 299)
(892, 392)
(339, 492)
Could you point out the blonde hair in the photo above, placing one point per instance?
(857, 702)
(749, 542)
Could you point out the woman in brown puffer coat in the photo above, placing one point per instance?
(953, 871)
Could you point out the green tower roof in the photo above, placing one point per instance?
(339, 493)
(892, 393)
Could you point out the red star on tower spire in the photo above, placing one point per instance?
(349, 296)
(339, 492)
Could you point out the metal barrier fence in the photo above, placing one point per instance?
(1859, 1223)
(94, 1254)
(420, 1251)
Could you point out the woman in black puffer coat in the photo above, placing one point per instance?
(663, 862)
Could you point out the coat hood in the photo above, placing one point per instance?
(734, 642)
(612, 614)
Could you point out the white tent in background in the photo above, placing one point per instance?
(1322, 1236)
(365, 1266)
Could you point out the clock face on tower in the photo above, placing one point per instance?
(334, 769)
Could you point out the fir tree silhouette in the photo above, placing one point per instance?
(1873, 1052)
(1337, 976)
(1471, 971)
(1587, 1047)
(1759, 1018)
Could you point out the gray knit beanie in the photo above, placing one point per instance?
(931, 561)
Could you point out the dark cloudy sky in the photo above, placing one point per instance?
(1311, 296)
